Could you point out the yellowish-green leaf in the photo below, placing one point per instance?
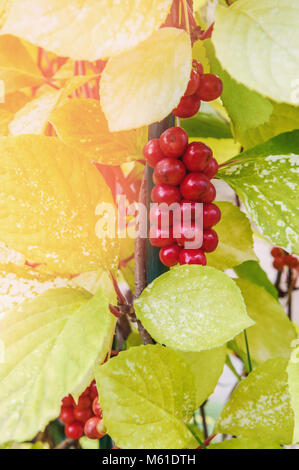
(293, 381)
(143, 85)
(147, 394)
(192, 308)
(88, 29)
(50, 347)
(245, 444)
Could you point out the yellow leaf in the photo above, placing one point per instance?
(85, 29)
(145, 84)
(82, 125)
(12, 103)
(49, 195)
(17, 68)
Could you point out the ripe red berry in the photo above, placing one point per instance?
(166, 193)
(210, 241)
(198, 66)
(277, 252)
(74, 430)
(96, 408)
(68, 401)
(209, 195)
(211, 215)
(82, 414)
(173, 142)
(94, 428)
(197, 156)
(152, 152)
(211, 169)
(160, 237)
(193, 83)
(170, 171)
(291, 261)
(188, 210)
(194, 185)
(278, 263)
(169, 256)
(187, 107)
(161, 215)
(93, 391)
(210, 87)
(192, 257)
(189, 233)
(84, 402)
(67, 414)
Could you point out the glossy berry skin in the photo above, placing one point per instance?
(68, 401)
(291, 261)
(173, 142)
(192, 257)
(210, 87)
(212, 168)
(84, 402)
(210, 241)
(278, 263)
(166, 193)
(211, 215)
(93, 391)
(159, 215)
(277, 252)
(169, 256)
(198, 66)
(152, 152)
(96, 408)
(193, 83)
(194, 186)
(170, 171)
(209, 195)
(197, 156)
(82, 415)
(187, 107)
(187, 234)
(160, 238)
(94, 428)
(67, 414)
(74, 430)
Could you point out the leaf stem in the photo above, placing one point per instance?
(186, 16)
(232, 368)
(248, 351)
(201, 444)
(204, 421)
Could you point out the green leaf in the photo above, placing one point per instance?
(257, 43)
(51, 345)
(245, 444)
(235, 238)
(252, 271)
(87, 443)
(260, 406)
(147, 394)
(265, 178)
(207, 123)
(192, 308)
(293, 381)
(273, 333)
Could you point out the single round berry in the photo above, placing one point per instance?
(82, 414)
(188, 233)
(278, 263)
(152, 152)
(193, 83)
(192, 257)
(94, 428)
(211, 169)
(210, 241)
(211, 215)
(161, 216)
(166, 193)
(74, 430)
(170, 171)
(68, 401)
(173, 142)
(84, 402)
(291, 261)
(93, 391)
(169, 256)
(194, 185)
(67, 414)
(197, 156)
(96, 408)
(187, 107)
(209, 195)
(210, 87)
(277, 252)
(160, 237)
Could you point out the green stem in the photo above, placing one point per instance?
(248, 352)
(232, 368)
(196, 437)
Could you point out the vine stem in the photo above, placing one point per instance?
(248, 351)
(186, 16)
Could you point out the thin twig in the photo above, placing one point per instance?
(204, 421)
(66, 444)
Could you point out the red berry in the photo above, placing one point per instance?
(161, 215)
(291, 261)
(209, 195)
(211, 169)
(188, 210)
(152, 152)
(194, 186)
(170, 171)
(198, 67)
(94, 428)
(82, 415)
(166, 193)
(192, 257)
(197, 156)
(74, 430)
(169, 256)
(210, 241)
(84, 402)
(193, 83)
(187, 107)
(160, 237)
(210, 87)
(173, 142)
(68, 401)
(278, 263)
(277, 252)
(93, 391)
(96, 408)
(67, 414)
(211, 215)
(188, 234)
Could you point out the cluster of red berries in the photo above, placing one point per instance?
(282, 259)
(85, 417)
(201, 87)
(182, 174)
